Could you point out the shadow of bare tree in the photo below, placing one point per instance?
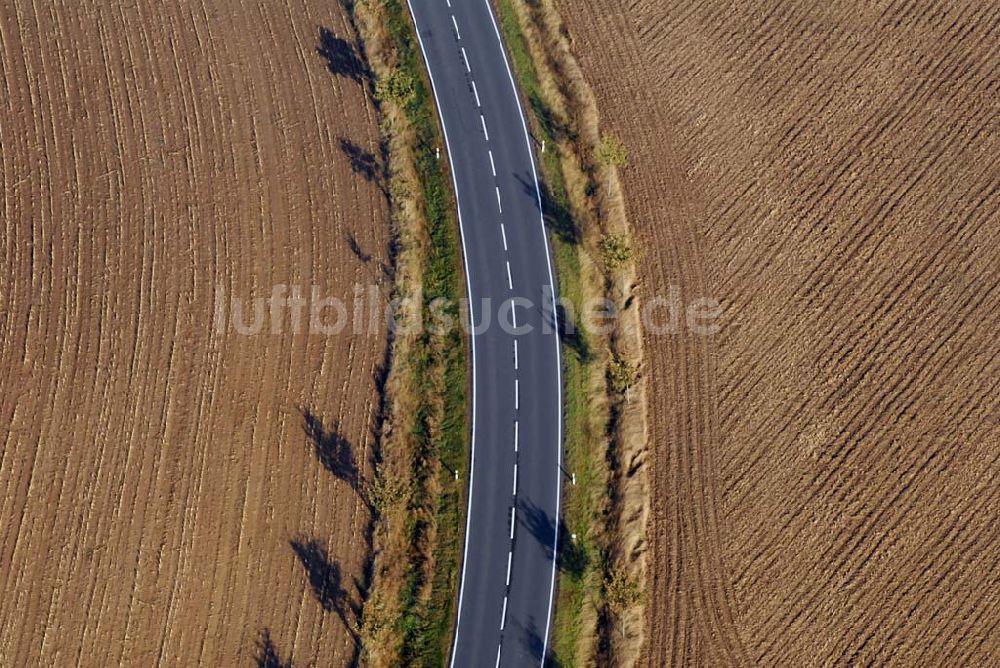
(326, 580)
(342, 57)
(571, 335)
(553, 125)
(356, 248)
(267, 654)
(572, 558)
(558, 218)
(332, 449)
(533, 644)
(363, 163)
(564, 321)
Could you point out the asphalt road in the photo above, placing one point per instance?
(508, 574)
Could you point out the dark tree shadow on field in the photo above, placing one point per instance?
(331, 448)
(326, 581)
(362, 162)
(356, 248)
(342, 57)
(267, 654)
(572, 558)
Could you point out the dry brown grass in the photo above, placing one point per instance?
(823, 469)
(152, 472)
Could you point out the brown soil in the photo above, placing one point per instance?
(159, 493)
(824, 468)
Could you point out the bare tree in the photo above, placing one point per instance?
(621, 592)
(611, 153)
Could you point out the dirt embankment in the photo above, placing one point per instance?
(824, 466)
(169, 492)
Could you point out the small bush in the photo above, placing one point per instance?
(615, 251)
(398, 87)
(622, 375)
(611, 152)
(385, 492)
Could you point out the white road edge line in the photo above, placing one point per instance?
(510, 281)
(485, 131)
(475, 91)
(552, 283)
(503, 233)
(472, 338)
(493, 165)
(457, 31)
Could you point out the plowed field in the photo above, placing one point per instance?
(826, 467)
(161, 498)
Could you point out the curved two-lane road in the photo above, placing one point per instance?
(508, 572)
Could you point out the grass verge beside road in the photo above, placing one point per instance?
(419, 499)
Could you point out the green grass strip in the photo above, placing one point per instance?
(439, 365)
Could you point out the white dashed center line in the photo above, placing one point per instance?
(465, 57)
(485, 131)
(493, 165)
(515, 478)
(503, 233)
(475, 91)
(517, 394)
(515, 435)
(498, 655)
(513, 517)
(510, 557)
(499, 203)
(455, 23)
(515, 354)
(510, 281)
(503, 614)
